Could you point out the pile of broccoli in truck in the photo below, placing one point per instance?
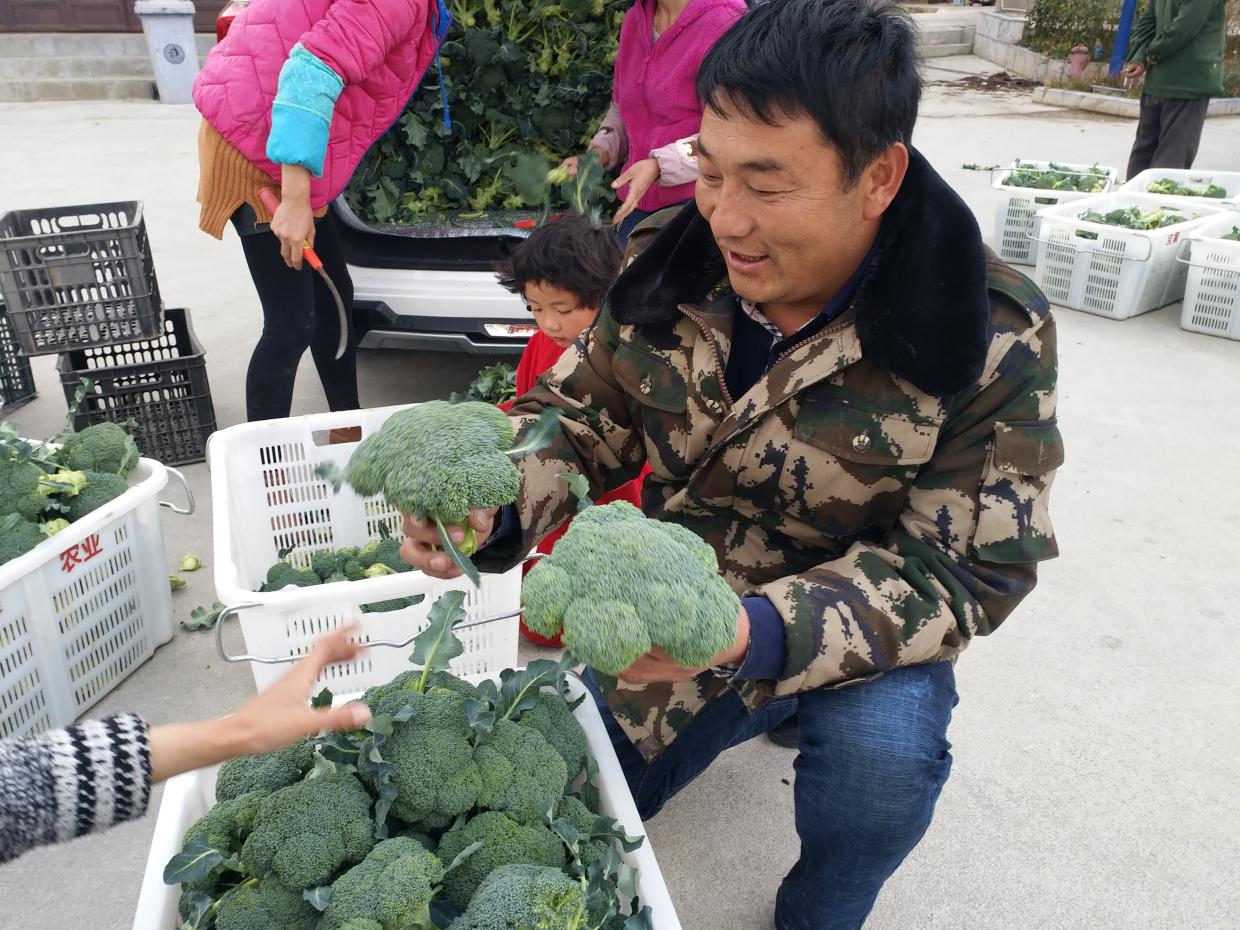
(46, 486)
(458, 807)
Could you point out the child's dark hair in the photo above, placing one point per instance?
(571, 253)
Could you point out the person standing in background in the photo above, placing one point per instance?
(1178, 46)
(651, 127)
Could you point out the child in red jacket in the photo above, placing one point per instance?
(562, 271)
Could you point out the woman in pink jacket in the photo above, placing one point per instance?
(291, 99)
(653, 121)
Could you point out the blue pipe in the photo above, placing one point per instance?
(1123, 33)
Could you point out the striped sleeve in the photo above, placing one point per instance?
(66, 783)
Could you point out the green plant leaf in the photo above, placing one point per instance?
(481, 717)
(437, 645)
(203, 618)
(318, 897)
(538, 436)
(462, 856)
(467, 568)
(196, 861)
(196, 905)
(642, 920)
(579, 485)
(519, 688)
(322, 699)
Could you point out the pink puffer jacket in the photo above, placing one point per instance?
(379, 48)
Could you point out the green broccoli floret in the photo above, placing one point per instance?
(392, 887)
(64, 482)
(323, 563)
(267, 772)
(281, 575)
(382, 607)
(619, 584)
(574, 810)
(552, 718)
(19, 489)
(265, 906)
(527, 896)
(438, 460)
(226, 825)
(101, 487)
(435, 774)
(353, 570)
(17, 537)
(504, 842)
(378, 570)
(306, 832)
(391, 697)
(522, 774)
(102, 447)
(383, 552)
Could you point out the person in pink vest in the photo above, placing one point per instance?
(291, 99)
(650, 129)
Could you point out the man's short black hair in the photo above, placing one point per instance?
(850, 65)
(571, 253)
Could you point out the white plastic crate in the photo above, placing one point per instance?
(266, 498)
(83, 609)
(1228, 180)
(1016, 224)
(1109, 270)
(188, 797)
(1212, 292)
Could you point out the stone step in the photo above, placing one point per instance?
(945, 51)
(49, 89)
(40, 67)
(83, 45)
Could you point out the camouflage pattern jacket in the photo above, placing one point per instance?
(885, 484)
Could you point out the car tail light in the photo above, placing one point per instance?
(224, 21)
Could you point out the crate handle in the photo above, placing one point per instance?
(1179, 257)
(1149, 245)
(189, 494)
(230, 612)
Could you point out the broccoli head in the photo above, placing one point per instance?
(17, 537)
(525, 896)
(101, 487)
(19, 489)
(392, 887)
(306, 832)
(522, 774)
(553, 718)
(267, 772)
(226, 825)
(269, 904)
(104, 447)
(323, 563)
(618, 584)
(391, 697)
(504, 842)
(282, 575)
(383, 552)
(438, 460)
(435, 774)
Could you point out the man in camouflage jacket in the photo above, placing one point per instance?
(872, 473)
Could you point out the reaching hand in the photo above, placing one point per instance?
(640, 176)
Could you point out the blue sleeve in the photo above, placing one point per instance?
(301, 116)
(765, 658)
(508, 529)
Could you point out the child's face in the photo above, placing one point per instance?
(560, 314)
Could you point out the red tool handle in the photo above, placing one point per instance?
(272, 203)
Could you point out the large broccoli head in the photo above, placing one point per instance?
(618, 584)
(104, 447)
(267, 772)
(527, 896)
(522, 774)
(17, 537)
(265, 906)
(306, 832)
(438, 460)
(19, 489)
(435, 774)
(504, 842)
(552, 717)
(392, 886)
(101, 487)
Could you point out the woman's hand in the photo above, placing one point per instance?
(293, 222)
(275, 717)
(640, 176)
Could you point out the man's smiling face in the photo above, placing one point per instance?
(791, 226)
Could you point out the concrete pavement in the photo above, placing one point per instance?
(1097, 740)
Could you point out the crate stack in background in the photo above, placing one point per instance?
(79, 282)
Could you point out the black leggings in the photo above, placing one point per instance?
(299, 313)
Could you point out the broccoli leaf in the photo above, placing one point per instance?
(481, 716)
(322, 699)
(318, 897)
(538, 436)
(175, 581)
(203, 618)
(462, 856)
(196, 905)
(579, 485)
(443, 912)
(519, 688)
(642, 920)
(467, 568)
(332, 473)
(589, 791)
(195, 862)
(437, 645)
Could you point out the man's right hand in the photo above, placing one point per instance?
(421, 546)
(1134, 70)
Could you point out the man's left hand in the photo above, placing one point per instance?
(658, 666)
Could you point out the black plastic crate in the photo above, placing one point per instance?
(16, 378)
(78, 276)
(160, 383)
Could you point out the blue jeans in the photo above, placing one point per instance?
(872, 762)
